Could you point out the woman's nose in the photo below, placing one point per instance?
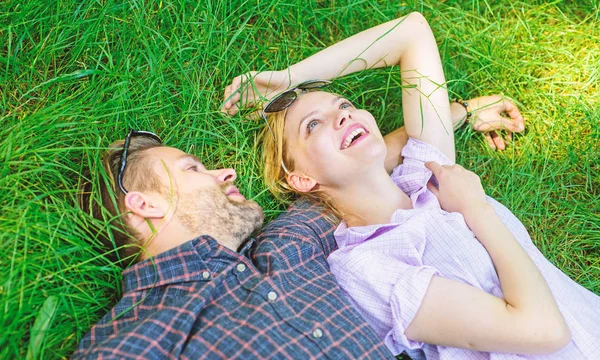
(342, 117)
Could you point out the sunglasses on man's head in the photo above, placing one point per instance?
(132, 133)
(287, 98)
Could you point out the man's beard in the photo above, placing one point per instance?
(211, 212)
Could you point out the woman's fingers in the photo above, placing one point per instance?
(433, 189)
(498, 141)
(497, 117)
(232, 95)
(513, 111)
(494, 121)
(489, 140)
(233, 110)
(226, 95)
(434, 167)
(235, 99)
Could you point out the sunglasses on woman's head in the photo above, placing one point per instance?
(287, 98)
(132, 133)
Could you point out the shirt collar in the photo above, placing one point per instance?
(348, 236)
(184, 263)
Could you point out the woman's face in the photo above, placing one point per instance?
(331, 141)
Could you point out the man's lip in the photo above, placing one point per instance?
(233, 191)
(350, 129)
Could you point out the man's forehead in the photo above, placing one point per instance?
(191, 157)
(171, 154)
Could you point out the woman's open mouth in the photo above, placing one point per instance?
(353, 135)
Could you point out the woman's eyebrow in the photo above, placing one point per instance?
(333, 101)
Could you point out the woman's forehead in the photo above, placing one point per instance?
(311, 101)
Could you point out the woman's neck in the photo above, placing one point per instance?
(370, 200)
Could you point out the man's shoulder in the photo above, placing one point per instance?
(113, 322)
(305, 217)
(304, 221)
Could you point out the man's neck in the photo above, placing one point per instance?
(175, 234)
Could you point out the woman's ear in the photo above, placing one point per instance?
(300, 182)
(143, 205)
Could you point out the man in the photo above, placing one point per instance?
(200, 287)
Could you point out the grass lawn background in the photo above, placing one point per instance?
(75, 75)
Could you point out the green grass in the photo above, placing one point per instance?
(75, 75)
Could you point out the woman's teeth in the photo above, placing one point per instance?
(351, 137)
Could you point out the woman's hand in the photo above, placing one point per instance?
(253, 88)
(491, 115)
(459, 189)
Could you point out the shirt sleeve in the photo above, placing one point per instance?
(412, 176)
(387, 294)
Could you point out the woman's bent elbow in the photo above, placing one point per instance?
(553, 338)
(558, 338)
(416, 18)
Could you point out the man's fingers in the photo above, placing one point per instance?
(434, 167)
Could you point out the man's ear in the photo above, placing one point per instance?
(301, 183)
(143, 205)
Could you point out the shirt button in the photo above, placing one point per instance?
(205, 274)
(241, 267)
(317, 333)
(272, 296)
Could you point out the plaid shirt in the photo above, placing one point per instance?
(275, 299)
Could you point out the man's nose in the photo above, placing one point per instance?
(225, 175)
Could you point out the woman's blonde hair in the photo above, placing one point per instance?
(276, 153)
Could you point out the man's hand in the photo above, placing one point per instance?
(252, 89)
(492, 115)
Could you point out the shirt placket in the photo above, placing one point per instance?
(252, 280)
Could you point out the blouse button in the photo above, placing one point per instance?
(241, 267)
(205, 274)
(272, 296)
(317, 333)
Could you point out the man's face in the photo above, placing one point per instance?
(204, 201)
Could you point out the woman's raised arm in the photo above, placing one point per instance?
(407, 42)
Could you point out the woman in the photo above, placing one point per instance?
(438, 269)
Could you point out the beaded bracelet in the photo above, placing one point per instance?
(466, 106)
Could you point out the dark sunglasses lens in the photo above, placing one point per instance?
(282, 102)
(316, 84)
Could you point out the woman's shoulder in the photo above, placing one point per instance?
(420, 151)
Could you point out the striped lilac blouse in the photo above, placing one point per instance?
(386, 269)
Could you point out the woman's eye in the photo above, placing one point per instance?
(345, 105)
(311, 125)
(193, 168)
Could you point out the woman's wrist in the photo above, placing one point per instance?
(458, 113)
(478, 214)
(295, 75)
